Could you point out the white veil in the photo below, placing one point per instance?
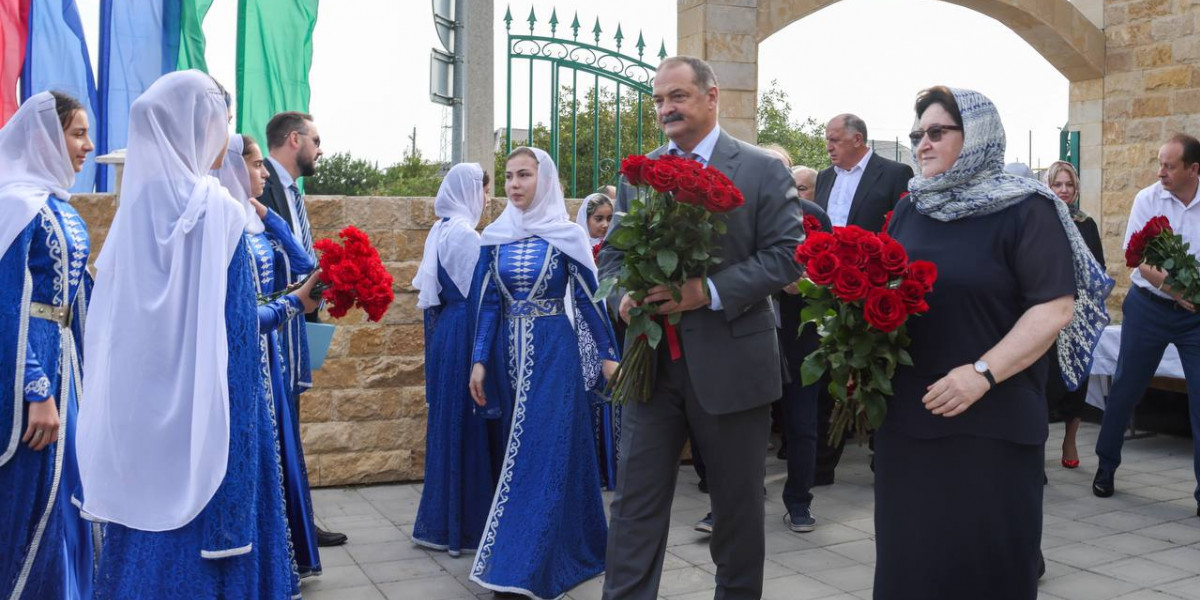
(153, 439)
(452, 241)
(33, 152)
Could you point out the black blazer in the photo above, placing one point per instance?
(274, 196)
(882, 184)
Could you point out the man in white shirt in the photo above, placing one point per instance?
(860, 188)
(1154, 314)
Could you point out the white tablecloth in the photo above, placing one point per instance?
(1104, 365)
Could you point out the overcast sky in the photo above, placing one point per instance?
(370, 74)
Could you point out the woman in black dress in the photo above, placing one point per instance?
(958, 460)
(1067, 404)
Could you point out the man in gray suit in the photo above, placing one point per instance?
(729, 374)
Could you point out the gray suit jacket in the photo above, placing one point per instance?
(733, 355)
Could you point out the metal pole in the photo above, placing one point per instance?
(457, 139)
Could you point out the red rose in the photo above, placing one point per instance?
(851, 234)
(876, 274)
(1135, 249)
(923, 272)
(719, 199)
(823, 267)
(871, 246)
(884, 309)
(690, 188)
(632, 167)
(850, 284)
(893, 258)
(1156, 226)
(596, 251)
(851, 255)
(912, 293)
(816, 243)
(811, 224)
(661, 176)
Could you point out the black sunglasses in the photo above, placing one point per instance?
(935, 133)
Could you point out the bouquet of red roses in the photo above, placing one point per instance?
(1157, 245)
(860, 289)
(668, 236)
(353, 275)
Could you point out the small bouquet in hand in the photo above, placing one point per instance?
(353, 275)
(1159, 246)
(860, 289)
(668, 236)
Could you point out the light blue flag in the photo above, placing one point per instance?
(56, 59)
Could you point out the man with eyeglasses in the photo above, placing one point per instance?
(860, 188)
(294, 147)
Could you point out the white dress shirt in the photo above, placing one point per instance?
(285, 179)
(844, 188)
(703, 153)
(1184, 217)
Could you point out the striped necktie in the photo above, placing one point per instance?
(302, 219)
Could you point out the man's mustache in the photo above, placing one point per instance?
(671, 118)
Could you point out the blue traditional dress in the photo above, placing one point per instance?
(277, 258)
(46, 549)
(238, 546)
(546, 531)
(458, 472)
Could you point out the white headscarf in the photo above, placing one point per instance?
(153, 439)
(582, 217)
(235, 178)
(452, 241)
(546, 218)
(33, 152)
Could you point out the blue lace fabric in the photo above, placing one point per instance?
(46, 549)
(546, 530)
(277, 258)
(458, 472)
(237, 547)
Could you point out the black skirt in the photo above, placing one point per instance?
(956, 517)
(1061, 402)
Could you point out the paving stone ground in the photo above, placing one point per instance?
(1142, 544)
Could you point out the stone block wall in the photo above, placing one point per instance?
(1151, 89)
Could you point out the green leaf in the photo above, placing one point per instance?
(1168, 264)
(812, 313)
(654, 333)
(624, 237)
(812, 369)
(903, 357)
(880, 380)
(667, 261)
(876, 409)
(604, 289)
(674, 318)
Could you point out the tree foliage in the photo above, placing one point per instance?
(804, 141)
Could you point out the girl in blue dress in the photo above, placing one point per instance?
(46, 550)
(458, 474)
(276, 258)
(540, 346)
(177, 445)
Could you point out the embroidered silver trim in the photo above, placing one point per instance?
(214, 554)
(18, 379)
(39, 386)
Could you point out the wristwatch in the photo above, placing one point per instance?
(981, 367)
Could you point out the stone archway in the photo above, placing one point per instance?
(727, 33)
(1068, 35)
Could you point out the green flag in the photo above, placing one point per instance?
(274, 55)
(191, 35)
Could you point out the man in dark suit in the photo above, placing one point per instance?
(722, 387)
(294, 146)
(860, 188)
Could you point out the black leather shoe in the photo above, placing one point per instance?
(823, 479)
(1102, 485)
(326, 539)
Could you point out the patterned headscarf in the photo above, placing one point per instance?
(977, 185)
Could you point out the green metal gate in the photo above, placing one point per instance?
(587, 145)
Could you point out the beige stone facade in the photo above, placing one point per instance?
(1134, 68)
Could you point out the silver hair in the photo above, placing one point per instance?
(855, 124)
(703, 75)
(803, 169)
